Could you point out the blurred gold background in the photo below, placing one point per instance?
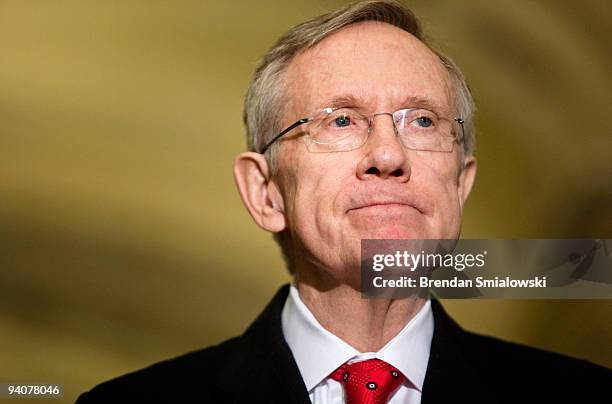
(123, 240)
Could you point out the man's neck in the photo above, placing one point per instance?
(365, 324)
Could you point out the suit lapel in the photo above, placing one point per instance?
(450, 376)
(266, 365)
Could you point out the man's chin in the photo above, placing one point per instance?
(391, 226)
(393, 232)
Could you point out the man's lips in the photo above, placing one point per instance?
(383, 205)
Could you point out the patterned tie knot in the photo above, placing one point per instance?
(368, 382)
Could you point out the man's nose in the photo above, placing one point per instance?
(385, 157)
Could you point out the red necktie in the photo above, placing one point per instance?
(368, 382)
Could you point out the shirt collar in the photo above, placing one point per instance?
(318, 352)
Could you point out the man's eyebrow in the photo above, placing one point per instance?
(346, 100)
(422, 102)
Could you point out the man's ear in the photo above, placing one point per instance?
(466, 179)
(259, 194)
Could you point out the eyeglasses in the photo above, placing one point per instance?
(344, 129)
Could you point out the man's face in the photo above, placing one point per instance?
(381, 190)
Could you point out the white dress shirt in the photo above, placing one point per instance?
(318, 352)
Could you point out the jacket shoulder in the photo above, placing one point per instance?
(540, 368)
(237, 370)
(185, 377)
(504, 362)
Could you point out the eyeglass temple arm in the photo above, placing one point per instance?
(460, 121)
(275, 138)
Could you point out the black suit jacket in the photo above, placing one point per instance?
(258, 367)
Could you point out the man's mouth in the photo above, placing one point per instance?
(383, 206)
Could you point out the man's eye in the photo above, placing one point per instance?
(424, 121)
(342, 121)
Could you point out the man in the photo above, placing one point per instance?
(357, 130)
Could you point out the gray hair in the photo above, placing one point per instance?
(265, 99)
